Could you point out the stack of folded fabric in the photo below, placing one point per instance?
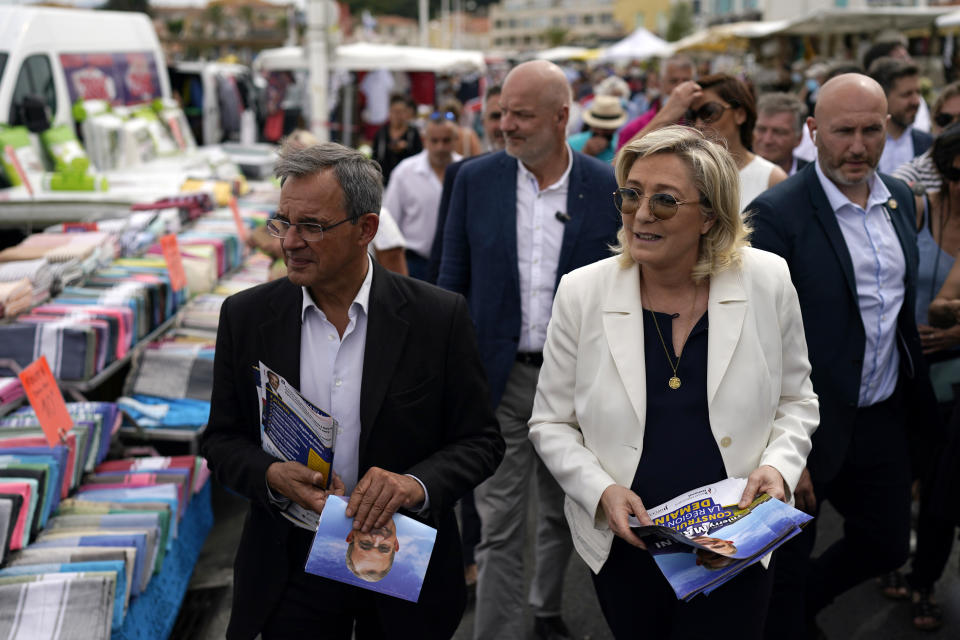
(170, 384)
(11, 391)
(108, 540)
(91, 249)
(38, 272)
(86, 328)
(15, 297)
(202, 314)
(255, 270)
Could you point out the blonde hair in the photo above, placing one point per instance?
(717, 181)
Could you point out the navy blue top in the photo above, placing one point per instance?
(679, 451)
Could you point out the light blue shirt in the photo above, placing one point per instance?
(879, 268)
(578, 140)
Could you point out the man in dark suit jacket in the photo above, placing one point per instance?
(395, 361)
(517, 221)
(848, 236)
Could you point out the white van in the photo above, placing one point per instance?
(63, 55)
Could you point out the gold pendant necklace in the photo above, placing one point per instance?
(674, 381)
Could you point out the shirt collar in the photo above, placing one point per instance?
(361, 301)
(525, 174)
(878, 191)
(423, 164)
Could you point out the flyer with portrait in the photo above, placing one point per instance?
(702, 539)
(294, 429)
(391, 560)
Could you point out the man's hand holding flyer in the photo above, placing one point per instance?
(293, 429)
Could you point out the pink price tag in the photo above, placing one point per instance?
(47, 401)
(237, 220)
(171, 253)
(15, 161)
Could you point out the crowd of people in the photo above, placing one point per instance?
(684, 286)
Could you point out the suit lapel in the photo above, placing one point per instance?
(908, 243)
(623, 328)
(280, 342)
(726, 308)
(386, 334)
(577, 210)
(828, 220)
(505, 210)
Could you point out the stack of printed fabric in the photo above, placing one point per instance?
(11, 391)
(90, 250)
(15, 297)
(170, 384)
(255, 270)
(202, 315)
(86, 328)
(38, 272)
(108, 540)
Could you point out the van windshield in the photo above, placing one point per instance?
(3, 62)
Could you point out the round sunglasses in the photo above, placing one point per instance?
(663, 206)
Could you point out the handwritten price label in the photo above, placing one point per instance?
(45, 398)
(241, 227)
(171, 253)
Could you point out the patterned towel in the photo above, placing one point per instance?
(57, 606)
(121, 597)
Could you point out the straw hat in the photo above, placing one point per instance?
(606, 112)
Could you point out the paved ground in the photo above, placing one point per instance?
(861, 614)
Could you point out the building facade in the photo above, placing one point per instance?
(537, 24)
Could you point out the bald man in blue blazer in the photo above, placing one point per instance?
(518, 220)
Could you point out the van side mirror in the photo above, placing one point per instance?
(33, 113)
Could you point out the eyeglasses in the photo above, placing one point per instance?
(436, 116)
(663, 206)
(309, 231)
(944, 120)
(708, 113)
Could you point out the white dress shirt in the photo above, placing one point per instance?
(539, 237)
(880, 270)
(331, 372)
(896, 152)
(413, 198)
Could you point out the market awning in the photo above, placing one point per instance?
(722, 37)
(364, 56)
(875, 19)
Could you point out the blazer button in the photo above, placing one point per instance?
(725, 441)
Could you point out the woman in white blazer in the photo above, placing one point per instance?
(679, 362)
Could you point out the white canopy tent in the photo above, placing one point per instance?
(949, 20)
(558, 54)
(638, 45)
(364, 56)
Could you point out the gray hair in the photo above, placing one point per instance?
(677, 60)
(771, 103)
(359, 177)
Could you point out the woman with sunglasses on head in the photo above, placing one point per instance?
(674, 364)
(727, 110)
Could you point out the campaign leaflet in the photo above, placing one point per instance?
(701, 539)
(391, 560)
(294, 429)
